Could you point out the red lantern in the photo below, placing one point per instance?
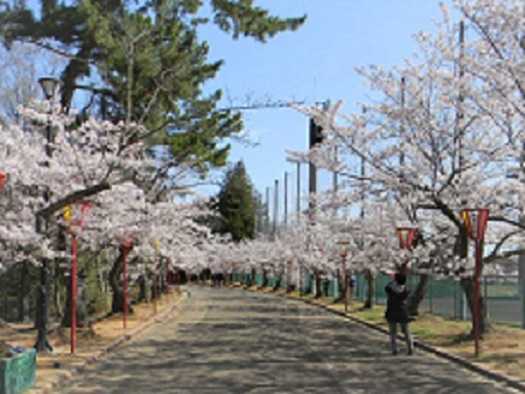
(475, 221)
(3, 179)
(407, 236)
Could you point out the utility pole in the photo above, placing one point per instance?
(461, 98)
(363, 174)
(267, 210)
(316, 137)
(275, 208)
(335, 182)
(402, 128)
(285, 199)
(298, 196)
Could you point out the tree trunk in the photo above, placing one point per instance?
(317, 284)
(81, 306)
(155, 287)
(418, 295)
(22, 291)
(142, 288)
(117, 304)
(467, 284)
(340, 286)
(369, 303)
(277, 284)
(42, 344)
(264, 278)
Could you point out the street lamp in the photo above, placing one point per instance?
(343, 244)
(49, 86)
(475, 221)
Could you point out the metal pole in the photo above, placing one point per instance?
(521, 258)
(275, 207)
(461, 97)
(402, 129)
(476, 296)
(74, 293)
(298, 197)
(285, 199)
(335, 185)
(267, 210)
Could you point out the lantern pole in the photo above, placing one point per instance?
(74, 292)
(480, 225)
(125, 286)
(476, 295)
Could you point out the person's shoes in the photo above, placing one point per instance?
(394, 352)
(410, 353)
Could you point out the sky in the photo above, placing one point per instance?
(314, 64)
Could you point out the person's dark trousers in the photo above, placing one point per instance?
(393, 337)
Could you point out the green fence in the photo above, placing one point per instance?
(443, 297)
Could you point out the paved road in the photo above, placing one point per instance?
(231, 341)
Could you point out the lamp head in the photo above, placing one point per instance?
(49, 86)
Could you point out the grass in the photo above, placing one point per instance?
(502, 349)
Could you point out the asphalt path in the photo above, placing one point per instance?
(234, 341)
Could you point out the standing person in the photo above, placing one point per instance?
(396, 311)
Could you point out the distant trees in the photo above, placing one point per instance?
(237, 204)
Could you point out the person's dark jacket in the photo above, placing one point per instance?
(396, 308)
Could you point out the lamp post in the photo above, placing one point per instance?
(127, 244)
(343, 253)
(475, 221)
(49, 87)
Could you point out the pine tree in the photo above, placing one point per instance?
(150, 61)
(236, 204)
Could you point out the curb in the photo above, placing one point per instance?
(114, 345)
(499, 377)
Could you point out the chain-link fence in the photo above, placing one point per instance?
(445, 297)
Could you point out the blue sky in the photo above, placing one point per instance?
(315, 63)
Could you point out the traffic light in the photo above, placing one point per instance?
(316, 133)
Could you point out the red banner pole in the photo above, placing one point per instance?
(125, 287)
(74, 291)
(476, 307)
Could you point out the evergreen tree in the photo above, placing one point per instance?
(237, 204)
(150, 61)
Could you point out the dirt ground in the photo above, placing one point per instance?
(91, 341)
